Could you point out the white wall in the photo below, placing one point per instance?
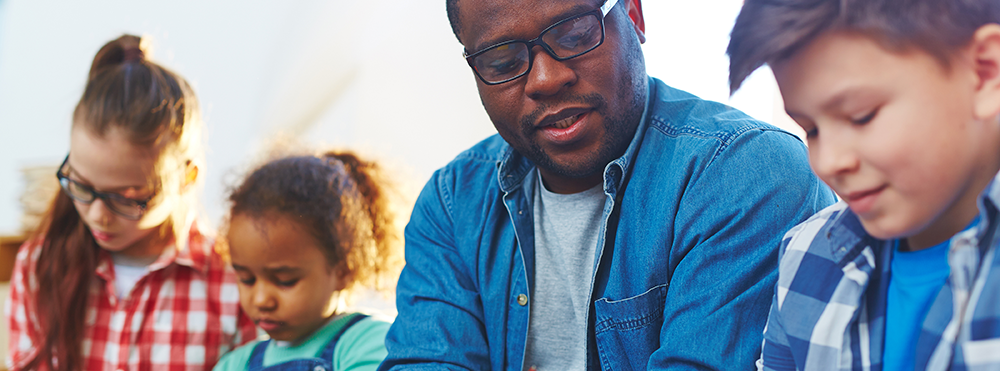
(334, 72)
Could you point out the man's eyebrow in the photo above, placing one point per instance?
(575, 10)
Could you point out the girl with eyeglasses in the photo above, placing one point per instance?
(119, 276)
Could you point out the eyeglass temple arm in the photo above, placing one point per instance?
(607, 6)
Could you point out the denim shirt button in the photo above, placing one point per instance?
(522, 300)
(319, 368)
(520, 212)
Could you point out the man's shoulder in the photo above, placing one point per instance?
(677, 113)
(479, 162)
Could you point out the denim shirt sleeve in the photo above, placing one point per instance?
(729, 224)
(440, 322)
(776, 355)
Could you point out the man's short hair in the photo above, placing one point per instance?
(452, 7)
(768, 31)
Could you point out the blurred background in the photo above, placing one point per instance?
(386, 79)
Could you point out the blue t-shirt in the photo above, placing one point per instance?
(917, 278)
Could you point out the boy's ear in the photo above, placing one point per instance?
(985, 51)
(634, 9)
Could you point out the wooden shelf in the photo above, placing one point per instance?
(8, 252)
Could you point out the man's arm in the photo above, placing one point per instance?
(440, 321)
(775, 355)
(730, 224)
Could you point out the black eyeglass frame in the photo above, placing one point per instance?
(600, 13)
(64, 184)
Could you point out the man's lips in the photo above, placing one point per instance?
(562, 119)
(564, 127)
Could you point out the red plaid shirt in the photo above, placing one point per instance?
(182, 315)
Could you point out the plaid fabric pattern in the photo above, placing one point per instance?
(183, 315)
(828, 311)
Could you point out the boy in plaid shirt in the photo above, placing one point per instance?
(900, 101)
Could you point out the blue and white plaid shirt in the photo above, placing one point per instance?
(828, 311)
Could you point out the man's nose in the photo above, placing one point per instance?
(548, 76)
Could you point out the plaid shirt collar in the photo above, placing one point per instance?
(195, 256)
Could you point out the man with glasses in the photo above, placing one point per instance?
(614, 223)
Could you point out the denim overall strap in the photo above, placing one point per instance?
(353, 318)
(257, 355)
(321, 363)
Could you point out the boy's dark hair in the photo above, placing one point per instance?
(342, 201)
(768, 31)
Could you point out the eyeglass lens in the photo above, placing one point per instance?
(568, 39)
(120, 205)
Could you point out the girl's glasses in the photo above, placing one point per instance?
(126, 207)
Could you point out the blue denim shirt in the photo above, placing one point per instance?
(695, 210)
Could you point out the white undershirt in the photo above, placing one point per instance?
(128, 272)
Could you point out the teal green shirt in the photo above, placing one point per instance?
(362, 347)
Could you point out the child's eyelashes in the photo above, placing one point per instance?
(277, 282)
(866, 118)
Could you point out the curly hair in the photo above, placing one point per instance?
(343, 201)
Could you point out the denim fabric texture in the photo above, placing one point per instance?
(686, 259)
(829, 305)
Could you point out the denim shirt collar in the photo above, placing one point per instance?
(512, 167)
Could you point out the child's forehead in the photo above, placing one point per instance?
(838, 65)
(859, 45)
(271, 239)
(109, 161)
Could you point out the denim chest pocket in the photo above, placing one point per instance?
(627, 331)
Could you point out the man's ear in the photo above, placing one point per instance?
(190, 173)
(985, 52)
(634, 9)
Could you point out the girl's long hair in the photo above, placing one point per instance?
(155, 108)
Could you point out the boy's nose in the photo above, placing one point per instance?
(832, 158)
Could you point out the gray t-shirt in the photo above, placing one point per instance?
(566, 231)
